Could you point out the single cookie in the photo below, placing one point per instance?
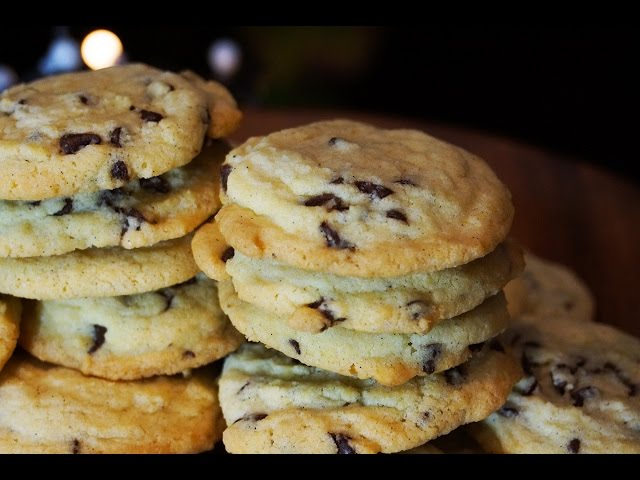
(389, 358)
(91, 131)
(126, 338)
(273, 404)
(350, 199)
(48, 409)
(414, 303)
(99, 272)
(10, 313)
(580, 393)
(140, 214)
(547, 290)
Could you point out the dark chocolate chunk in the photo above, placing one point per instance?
(430, 357)
(528, 387)
(373, 189)
(476, 347)
(322, 306)
(132, 108)
(149, 116)
(418, 309)
(337, 181)
(22, 101)
(72, 142)
(188, 354)
(405, 181)
(574, 446)
(333, 239)
(508, 410)
(119, 171)
(295, 345)
(327, 200)
(114, 137)
(455, 376)
(155, 184)
(75, 446)
(66, 209)
(342, 444)
(98, 338)
(496, 345)
(397, 215)
(228, 254)
(225, 171)
(83, 99)
(580, 395)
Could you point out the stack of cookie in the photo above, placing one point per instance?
(368, 253)
(104, 176)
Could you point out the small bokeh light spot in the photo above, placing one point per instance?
(63, 55)
(101, 49)
(224, 57)
(8, 77)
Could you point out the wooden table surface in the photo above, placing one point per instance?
(566, 210)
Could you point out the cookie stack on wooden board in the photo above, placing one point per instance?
(376, 255)
(104, 176)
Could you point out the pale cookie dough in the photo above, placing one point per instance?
(546, 290)
(580, 393)
(390, 358)
(99, 272)
(347, 198)
(414, 303)
(91, 131)
(142, 213)
(127, 338)
(48, 409)
(273, 404)
(10, 313)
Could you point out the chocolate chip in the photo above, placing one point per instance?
(295, 345)
(225, 171)
(114, 137)
(418, 309)
(22, 101)
(334, 140)
(75, 446)
(333, 239)
(328, 200)
(455, 376)
(529, 386)
(111, 197)
(397, 215)
(72, 142)
(243, 387)
(582, 394)
(430, 356)
(252, 417)
(373, 189)
(34, 203)
(149, 116)
(133, 220)
(66, 209)
(405, 181)
(574, 446)
(227, 254)
(98, 338)
(337, 181)
(119, 171)
(155, 185)
(496, 345)
(322, 306)
(188, 354)
(476, 347)
(132, 108)
(508, 410)
(316, 304)
(83, 99)
(342, 443)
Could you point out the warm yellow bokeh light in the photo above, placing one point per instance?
(101, 49)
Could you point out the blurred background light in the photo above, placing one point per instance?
(224, 57)
(101, 49)
(8, 77)
(63, 55)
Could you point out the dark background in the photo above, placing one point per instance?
(569, 88)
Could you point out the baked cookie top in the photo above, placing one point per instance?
(579, 393)
(389, 358)
(351, 199)
(274, 404)
(142, 213)
(10, 314)
(90, 131)
(48, 409)
(163, 332)
(99, 272)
